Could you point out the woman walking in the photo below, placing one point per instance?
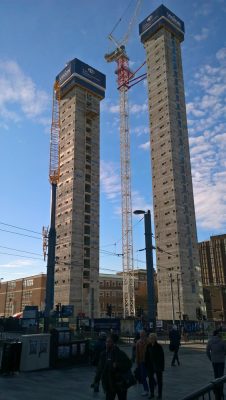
(141, 347)
(155, 363)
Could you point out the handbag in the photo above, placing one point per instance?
(128, 379)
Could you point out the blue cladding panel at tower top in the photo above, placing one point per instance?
(84, 71)
(161, 11)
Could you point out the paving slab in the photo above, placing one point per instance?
(194, 372)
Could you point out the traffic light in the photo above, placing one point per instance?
(109, 310)
(58, 309)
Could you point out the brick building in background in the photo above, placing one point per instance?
(111, 293)
(16, 294)
(212, 255)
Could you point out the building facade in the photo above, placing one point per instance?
(30, 291)
(16, 294)
(111, 292)
(175, 227)
(77, 213)
(212, 255)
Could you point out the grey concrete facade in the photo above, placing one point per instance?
(179, 280)
(77, 215)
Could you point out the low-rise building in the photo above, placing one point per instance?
(111, 293)
(212, 255)
(18, 293)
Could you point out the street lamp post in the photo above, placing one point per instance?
(172, 297)
(149, 265)
(178, 294)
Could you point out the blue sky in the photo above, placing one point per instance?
(36, 40)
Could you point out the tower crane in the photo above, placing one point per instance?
(54, 175)
(124, 74)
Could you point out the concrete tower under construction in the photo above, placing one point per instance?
(77, 214)
(180, 294)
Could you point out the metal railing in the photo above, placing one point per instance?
(213, 391)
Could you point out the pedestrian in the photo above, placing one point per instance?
(216, 351)
(111, 370)
(174, 337)
(135, 340)
(155, 364)
(141, 347)
(99, 347)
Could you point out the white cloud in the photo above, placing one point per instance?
(208, 144)
(202, 36)
(110, 179)
(145, 146)
(18, 263)
(19, 96)
(114, 109)
(221, 54)
(139, 203)
(140, 130)
(108, 106)
(203, 9)
(138, 108)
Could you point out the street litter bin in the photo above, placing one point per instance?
(11, 357)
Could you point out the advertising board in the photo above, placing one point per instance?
(161, 11)
(83, 70)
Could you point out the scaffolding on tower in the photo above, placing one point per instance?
(124, 77)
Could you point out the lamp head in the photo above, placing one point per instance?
(137, 212)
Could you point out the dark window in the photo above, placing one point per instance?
(86, 274)
(87, 240)
(87, 263)
(87, 229)
(87, 198)
(87, 188)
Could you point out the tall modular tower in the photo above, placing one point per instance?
(77, 212)
(180, 292)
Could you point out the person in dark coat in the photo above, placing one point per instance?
(174, 337)
(216, 351)
(155, 364)
(112, 365)
(99, 347)
(136, 338)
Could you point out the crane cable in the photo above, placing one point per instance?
(120, 19)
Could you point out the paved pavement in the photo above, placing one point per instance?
(74, 383)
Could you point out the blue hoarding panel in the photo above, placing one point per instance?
(160, 12)
(83, 71)
(67, 310)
